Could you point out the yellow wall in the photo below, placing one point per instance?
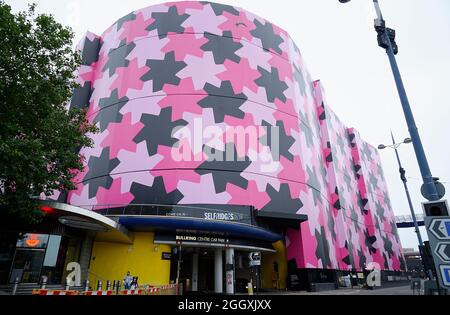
(111, 261)
(268, 275)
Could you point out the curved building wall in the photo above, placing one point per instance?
(166, 84)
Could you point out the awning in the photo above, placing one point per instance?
(164, 223)
(105, 229)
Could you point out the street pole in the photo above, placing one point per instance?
(411, 208)
(412, 128)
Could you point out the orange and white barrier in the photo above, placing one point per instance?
(108, 292)
(131, 292)
(54, 292)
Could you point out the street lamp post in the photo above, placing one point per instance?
(411, 207)
(386, 39)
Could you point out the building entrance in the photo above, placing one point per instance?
(196, 270)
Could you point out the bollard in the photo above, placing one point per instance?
(16, 284)
(86, 285)
(114, 285)
(67, 283)
(250, 288)
(99, 285)
(43, 282)
(119, 286)
(108, 285)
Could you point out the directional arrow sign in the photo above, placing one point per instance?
(445, 272)
(443, 251)
(440, 228)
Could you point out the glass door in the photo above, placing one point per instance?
(27, 265)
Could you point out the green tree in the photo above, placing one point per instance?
(39, 136)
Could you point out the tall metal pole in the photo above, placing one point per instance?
(411, 208)
(412, 128)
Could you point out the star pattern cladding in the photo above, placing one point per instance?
(163, 66)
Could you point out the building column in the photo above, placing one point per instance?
(195, 271)
(218, 271)
(229, 263)
(85, 257)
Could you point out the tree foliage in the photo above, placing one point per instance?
(39, 135)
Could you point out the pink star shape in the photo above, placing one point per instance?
(113, 195)
(294, 175)
(250, 195)
(182, 98)
(284, 67)
(120, 136)
(129, 78)
(135, 28)
(184, 170)
(240, 75)
(185, 44)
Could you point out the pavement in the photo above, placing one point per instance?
(401, 288)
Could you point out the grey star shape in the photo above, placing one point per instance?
(388, 246)
(387, 201)
(330, 223)
(225, 171)
(323, 170)
(354, 218)
(90, 51)
(169, 22)
(223, 47)
(223, 101)
(349, 259)
(379, 210)
(220, 8)
(272, 84)
(285, 142)
(117, 58)
(304, 126)
(158, 130)
(341, 144)
(380, 171)
(386, 263)
(267, 36)
(281, 201)
(313, 182)
(110, 110)
(155, 194)
(129, 17)
(323, 247)
(300, 80)
(373, 180)
(348, 182)
(163, 71)
(81, 96)
(367, 152)
(99, 172)
(394, 229)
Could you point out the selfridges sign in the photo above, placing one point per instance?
(232, 213)
(226, 216)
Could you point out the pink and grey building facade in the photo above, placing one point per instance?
(174, 65)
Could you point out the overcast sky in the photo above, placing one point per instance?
(339, 46)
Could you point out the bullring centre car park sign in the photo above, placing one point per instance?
(439, 236)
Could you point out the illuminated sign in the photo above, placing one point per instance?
(32, 240)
